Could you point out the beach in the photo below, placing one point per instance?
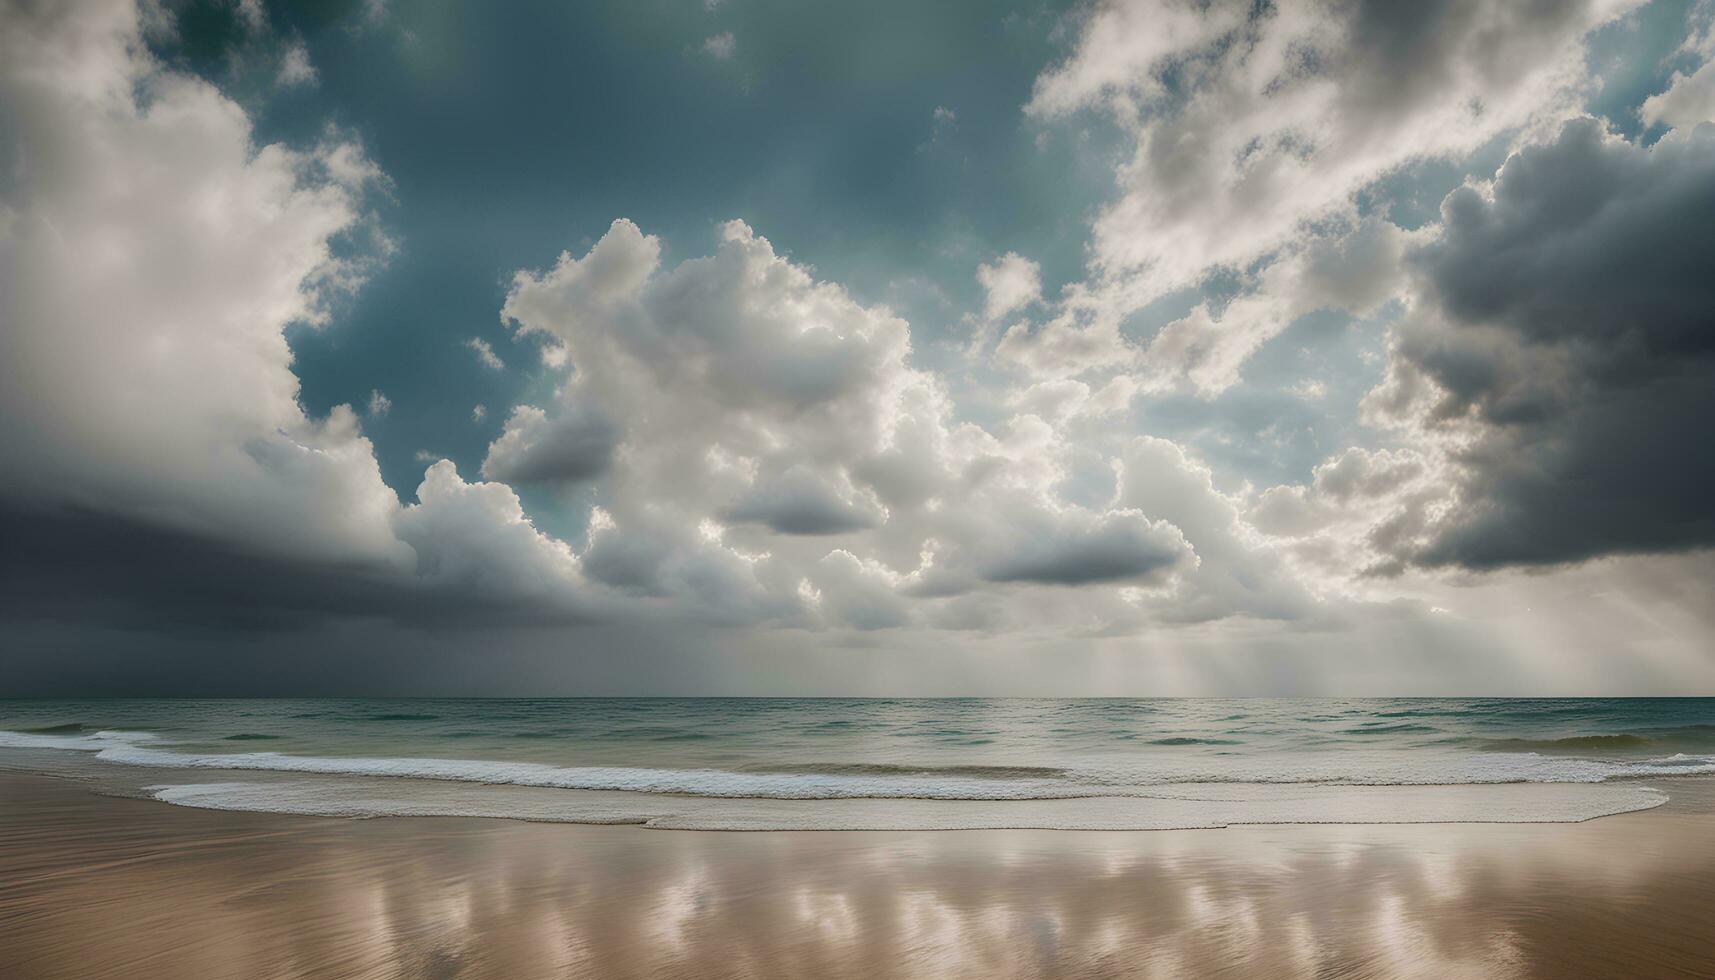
(953, 490)
(93, 885)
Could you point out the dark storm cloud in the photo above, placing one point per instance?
(1571, 321)
(1406, 54)
(77, 567)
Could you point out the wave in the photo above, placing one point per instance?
(904, 781)
(66, 739)
(1650, 739)
(1571, 743)
(890, 769)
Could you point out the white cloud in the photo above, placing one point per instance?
(379, 404)
(1009, 283)
(485, 353)
(1689, 99)
(1233, 576)
(1122, 47)
(756, 413)
(474, 538)
(251, 14)
(848, 591)
(143, 368)
(295, 67)
(720, 46)
(1354, 271)
(1055, 401)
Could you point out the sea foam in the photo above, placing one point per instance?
(1239, 805)
(839, 781)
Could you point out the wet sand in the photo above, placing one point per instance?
(94, 886)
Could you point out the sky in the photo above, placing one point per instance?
(739, 347)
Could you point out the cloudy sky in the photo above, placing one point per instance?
(761, 347)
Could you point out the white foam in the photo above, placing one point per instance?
(1236, 805)
(92, 742)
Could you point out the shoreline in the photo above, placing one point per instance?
(104, 885)
(1159, 807)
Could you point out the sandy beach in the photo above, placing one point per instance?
(92, 885)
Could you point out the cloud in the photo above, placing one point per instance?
(295, 67)
(143, 367)
(1121, 49)
(1547, 384)
(571, 448)
(474, 538)
(1009, 283)
(1687, 102)
(1560, 353)
(724, 375)
(485, 353)
(758, 412)
(1117, 546)
(1689, 99)
(1254, 126)
(759, 449)
(1233, 577)
(1354, 270)
(726, 416)
(740, 393)
(848, 591)
(145, 380)
(800, 502)
(720, 46)
(251, 14)
(1354, 500)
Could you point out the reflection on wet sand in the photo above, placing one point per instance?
(93, 886)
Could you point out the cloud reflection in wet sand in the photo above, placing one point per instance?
(98, 886)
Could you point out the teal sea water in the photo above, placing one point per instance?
(789, 763)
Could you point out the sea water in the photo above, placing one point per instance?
(814, 763)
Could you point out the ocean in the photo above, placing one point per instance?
(812, 763)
